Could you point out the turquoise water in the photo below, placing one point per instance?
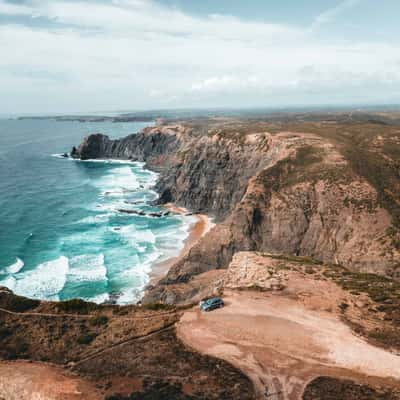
(62, 235)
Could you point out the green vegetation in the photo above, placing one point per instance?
(378, 287)
(296, 259)
(86, 338)
(381, 174)
(328, 388)
(382, 290)
(98, 320)
(389, 337)
(120, 310)
(20, 346)
(307, 166)
(372, 150)
(77, 306)
(16, 303)
(5, 332)
(309, 270)
(306, 156)
(159, 390)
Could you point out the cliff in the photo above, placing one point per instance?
(299, 189)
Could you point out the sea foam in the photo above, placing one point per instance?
(16, 267)
(108, 251)
(87, 267)
(118, 181)
(45, 281)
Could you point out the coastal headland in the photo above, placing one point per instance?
(305, 251)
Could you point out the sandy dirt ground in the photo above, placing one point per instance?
(282, 343)
(40, 381)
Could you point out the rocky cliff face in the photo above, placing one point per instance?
(149, 144)
(286, 192)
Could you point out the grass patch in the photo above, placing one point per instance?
(295, 259)
(77, 306)
(20, 346)
(98, 320)
(389, 337)
(385, 292)
(15, 303)
(372, 150)
(306, 156)
(5, 332)
(86, 338)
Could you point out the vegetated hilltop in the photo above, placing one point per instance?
(112, 349)
(325, 186)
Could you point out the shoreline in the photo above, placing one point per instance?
(196, 231)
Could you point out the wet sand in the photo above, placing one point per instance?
(198, 229)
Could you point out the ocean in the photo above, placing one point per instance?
(61, 233)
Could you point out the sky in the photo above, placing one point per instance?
(64, 56)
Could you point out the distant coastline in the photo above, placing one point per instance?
(90, 118)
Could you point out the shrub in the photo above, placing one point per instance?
(5, 332)
(20, 346)
(309, 270)
(78, 306)
(16, 303)
(98, 320)
(86, 338)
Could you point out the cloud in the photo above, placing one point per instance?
(225, 82)
(88, 55)
(331, 14)
(15, 9)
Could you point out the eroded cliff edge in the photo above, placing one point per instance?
(324, 189)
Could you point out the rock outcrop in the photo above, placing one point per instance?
(286, 192)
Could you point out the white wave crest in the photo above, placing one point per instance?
(130, 296)
(87, 267)
(16, 267)
(9, 283)
(118, 181)
(110, 161)
(136, 236)
(95, 219)
(44, 282)
(98, 299)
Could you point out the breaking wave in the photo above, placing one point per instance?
(45, 281)
(101, 253)
(16, 267)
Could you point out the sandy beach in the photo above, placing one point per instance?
(197, 230)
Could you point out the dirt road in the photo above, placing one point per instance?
(281, 344)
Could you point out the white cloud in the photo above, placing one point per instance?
(139, 54)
